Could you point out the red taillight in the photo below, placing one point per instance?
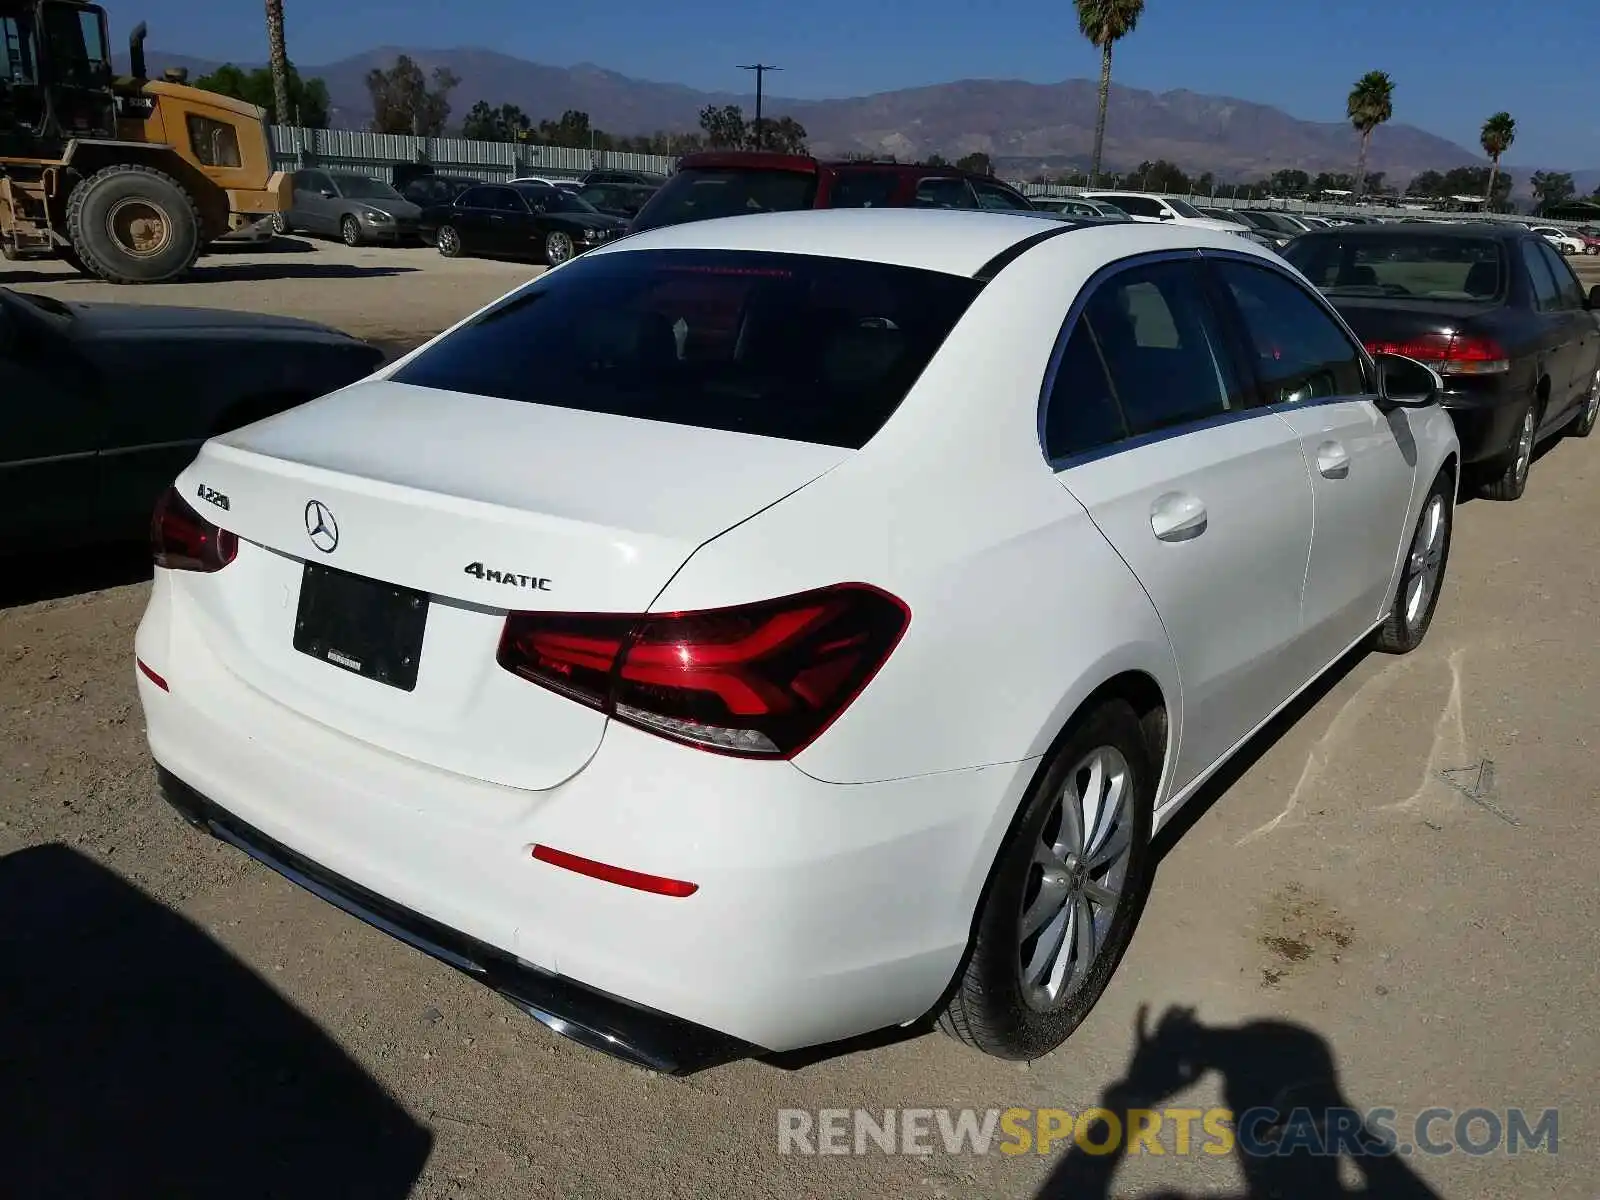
(1450, 353)
(759, 680)
(638, 880)
(183, 540)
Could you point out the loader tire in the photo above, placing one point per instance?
(133, 224)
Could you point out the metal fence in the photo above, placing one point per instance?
(293, 147)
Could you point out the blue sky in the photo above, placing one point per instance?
(1454, 61)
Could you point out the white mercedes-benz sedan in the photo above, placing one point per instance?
(767, 630)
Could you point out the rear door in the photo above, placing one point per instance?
(1556, 351)
(509, 224)
(1316, 379)
(1580, 335)
(471, 218)
(1149, 424)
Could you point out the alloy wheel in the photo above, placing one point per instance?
(1591, 406)
(1525, 446)
(1076, 879)
(1425, 561)
(449, 241)
(557, 249)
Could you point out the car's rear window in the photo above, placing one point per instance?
(700, 193)
(799, 347)
(1421, 266)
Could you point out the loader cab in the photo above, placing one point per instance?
(55, 76)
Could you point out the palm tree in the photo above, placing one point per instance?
(1499, 131)
(1104, 22)
(1371, 104)
(278, 56)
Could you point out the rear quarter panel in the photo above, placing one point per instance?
(1019, 607)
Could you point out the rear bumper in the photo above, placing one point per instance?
(1484, 420)
(823, 911)
(637, 1035)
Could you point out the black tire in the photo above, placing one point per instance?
(350, 231)
(98, 208)
(280, 224)
(448, 241)
(1510, 480)
(70, 257)
(1427, 552)
(989, 1006)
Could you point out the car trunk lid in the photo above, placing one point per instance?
(479, 506)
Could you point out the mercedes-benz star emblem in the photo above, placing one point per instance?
(321, 527)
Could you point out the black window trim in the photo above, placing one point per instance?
(1064, 335)
(1239, 333)
(1232, 330)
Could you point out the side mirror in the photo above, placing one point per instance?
(1407, 383)
(1165, 215)
(1594, 297)
(328, 194)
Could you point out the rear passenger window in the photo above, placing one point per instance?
(1568, 288)
(1162, 349)
(944, 193)
(1081, 413)
(863, 189)
(1300, 351)
(1546, 298)
(1000, 199)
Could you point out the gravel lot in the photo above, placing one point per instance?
(1421, 927)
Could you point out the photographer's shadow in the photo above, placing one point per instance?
(1289, 1148)
(139, 1058)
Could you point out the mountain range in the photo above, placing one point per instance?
(1022, 126)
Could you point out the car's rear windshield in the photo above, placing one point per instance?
(699, 193)
(1421, 266)
(799, 347)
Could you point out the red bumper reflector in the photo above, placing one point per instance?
(152, 676)
(637, 880)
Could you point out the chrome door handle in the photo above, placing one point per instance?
(1333, 460)
(1177, 517)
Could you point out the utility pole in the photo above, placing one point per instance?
(761, 70)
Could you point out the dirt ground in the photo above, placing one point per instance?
(1390, 902)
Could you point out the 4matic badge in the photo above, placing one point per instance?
(509, 578)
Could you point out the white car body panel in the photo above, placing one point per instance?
(1029, 587)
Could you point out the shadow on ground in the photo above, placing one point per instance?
(141, 1059)
(210, 271)
(31, 578)
(274, 245)
(1292, 1126)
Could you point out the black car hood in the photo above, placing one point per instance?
(401, 210)
(93, 322)
(588, 220)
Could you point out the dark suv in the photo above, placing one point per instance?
(730, 183)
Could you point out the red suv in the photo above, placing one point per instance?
(733, 182)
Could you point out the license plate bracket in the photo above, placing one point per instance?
(365, 626)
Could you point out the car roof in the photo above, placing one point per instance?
(951, 241)
(805, 164)
(1460, 229)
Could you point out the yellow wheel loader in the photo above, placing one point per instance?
(126, 178)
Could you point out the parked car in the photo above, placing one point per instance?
(737, 183)
(1228, 215)
(688, 649)
(1275, 234)
(555, 181)
(1567, 243)
(1148, 209)
(354, 208)
(647, 179)
(106, 403)
(617, 199)
(519, 220)
(1495, 310)
(428, 191)
(1591, 239)
(1073, 206)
